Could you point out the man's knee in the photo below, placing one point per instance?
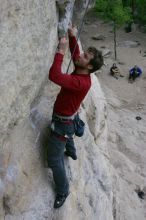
(54, 162)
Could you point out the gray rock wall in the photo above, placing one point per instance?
(28, 34)
(28, 39)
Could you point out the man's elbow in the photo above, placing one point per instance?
(50, 76)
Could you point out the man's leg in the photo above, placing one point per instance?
(59, 174)
(70, 149)
(134, 76)
(130, 76)
(56, 163)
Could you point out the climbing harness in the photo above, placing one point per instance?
(78, 35)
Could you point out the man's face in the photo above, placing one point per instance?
(84, 59)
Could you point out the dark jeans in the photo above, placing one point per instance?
(133, 76)
(56, 147)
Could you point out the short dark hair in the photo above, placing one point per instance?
(97, 60)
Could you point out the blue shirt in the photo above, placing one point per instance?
(138, 71)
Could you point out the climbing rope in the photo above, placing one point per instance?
(78, 34)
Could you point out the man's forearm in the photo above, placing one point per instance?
(74, 47)
(56, 66)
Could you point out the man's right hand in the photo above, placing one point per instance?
(63, 44)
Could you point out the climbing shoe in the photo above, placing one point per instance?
(72, 155)
(59, 201)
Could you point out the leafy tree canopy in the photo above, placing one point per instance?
(122, 11)
(140, 11)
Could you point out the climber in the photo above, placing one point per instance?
(134, 73)
(115, 72)
(74, 88)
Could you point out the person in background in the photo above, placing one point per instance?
(115, 72)
(134, 73)
(74, 88)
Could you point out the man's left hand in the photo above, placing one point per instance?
(63, 45)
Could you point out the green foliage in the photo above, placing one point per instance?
(122, 11)
(101, 6)
(120, 15)
(140, 11)
(126, 3)
(101, 9)
(113, 10)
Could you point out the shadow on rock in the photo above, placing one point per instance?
(42, 127)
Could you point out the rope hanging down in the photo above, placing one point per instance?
(78, 35)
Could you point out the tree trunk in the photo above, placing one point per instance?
(133, 7)
(115, 41)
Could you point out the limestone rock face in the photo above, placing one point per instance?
(26, 54)
(65, 15)
(27, 47)
(28, 41)
(80, 7)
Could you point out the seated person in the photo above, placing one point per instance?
(134, 73)
(114, 71)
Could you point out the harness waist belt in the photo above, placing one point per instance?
(65, 118)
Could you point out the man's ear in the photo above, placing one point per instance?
(90, 67)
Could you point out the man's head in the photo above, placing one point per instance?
(91, 60)
(114, 65)
(135, 67)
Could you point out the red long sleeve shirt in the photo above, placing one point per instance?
(74, 87)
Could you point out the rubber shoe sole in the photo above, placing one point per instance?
(59, 201)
